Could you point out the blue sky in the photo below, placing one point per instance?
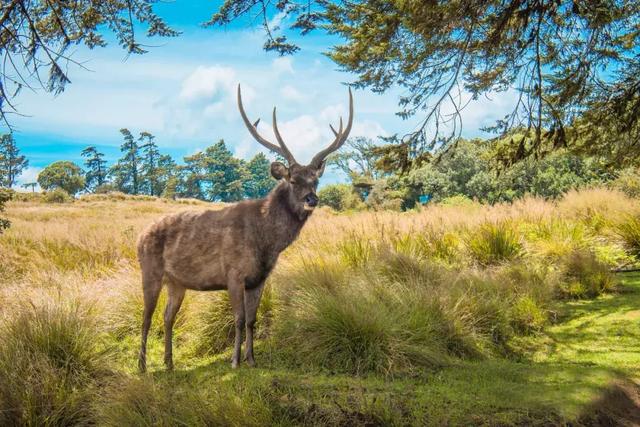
(183, 91)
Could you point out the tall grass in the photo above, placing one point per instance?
(49, 359)
(373, 293)
(495, 242)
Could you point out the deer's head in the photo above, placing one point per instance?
(301, 181)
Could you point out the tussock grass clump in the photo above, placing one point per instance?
(49, 358)
(494, 243)
(356, 250)
(212, 324)
(629, 231)
(585, 276)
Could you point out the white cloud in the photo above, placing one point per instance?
(283, 65)
(207, 83)
(290, 93)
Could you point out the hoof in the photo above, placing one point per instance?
(251, 363)
(234, 364)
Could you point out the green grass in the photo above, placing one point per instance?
(589, 355)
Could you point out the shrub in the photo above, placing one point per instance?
(629, 231)
(585, 276)
(458, 200)
(5, 196)
(628, 181)
(57, 195)
(495, 242)
(48, 360)
(339, 197)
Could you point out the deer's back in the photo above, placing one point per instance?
(200, 250)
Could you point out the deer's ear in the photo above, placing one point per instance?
(320, 170)
(279, 171)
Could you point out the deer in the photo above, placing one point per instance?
(233, 249)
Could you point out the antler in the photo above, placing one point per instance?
(341, 137)
(253, 129)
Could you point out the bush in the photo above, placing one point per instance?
(339, 197)
(57, 195)
(5, 196)
(495, 242)
(585, 276)
(49, 359)
(628, 181)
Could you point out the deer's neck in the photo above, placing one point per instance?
(282, 221)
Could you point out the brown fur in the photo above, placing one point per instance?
(234, 248)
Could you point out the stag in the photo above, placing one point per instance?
(234, 248)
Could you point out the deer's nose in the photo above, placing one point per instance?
(311, 199)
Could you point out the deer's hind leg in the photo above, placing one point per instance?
(152, 273)
(251, 304)
(236, 297)
(176, 296)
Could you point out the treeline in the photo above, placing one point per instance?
(213, 174)
(382, 177)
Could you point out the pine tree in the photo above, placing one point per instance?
(259, 181)
(96, 168)
(150, 173)
(126, 172)
(192, 176)
(225, 174)
(11, 162)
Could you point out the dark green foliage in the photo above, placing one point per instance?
(225, 174)
(64, 175)
(259, 182)
(11, 162)
(562, 58)
(5, 196)
(338, 197)
(469, 168)
(126, 172)
(96, 168)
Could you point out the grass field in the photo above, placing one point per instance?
(452, 315)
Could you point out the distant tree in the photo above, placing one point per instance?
(259, 181)
(64, 175)
(96, 168)
(31, 185)
(149, 164)
(357, 159)
(5, 196)
(35, 37)
(192, 176)
(224, 174)
(11, 162)
(126, 172)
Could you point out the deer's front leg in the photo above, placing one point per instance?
(236, 296)
(251, 304)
